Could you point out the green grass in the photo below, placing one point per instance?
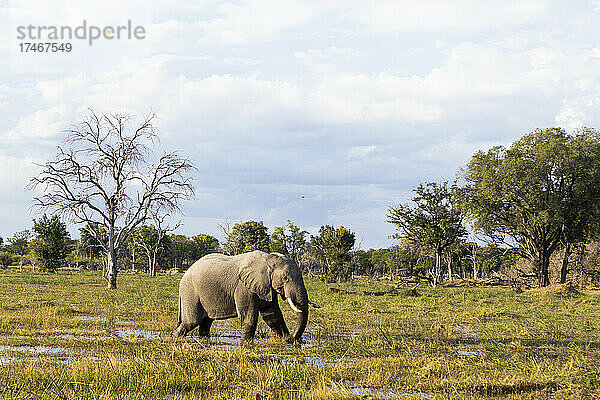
(64, 336)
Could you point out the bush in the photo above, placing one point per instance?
(5, 259)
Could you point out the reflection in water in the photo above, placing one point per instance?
(365, 392)
(470, 353)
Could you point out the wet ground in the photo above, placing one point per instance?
(70, 346)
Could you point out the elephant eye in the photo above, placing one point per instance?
(284, 278)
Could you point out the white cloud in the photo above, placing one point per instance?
(42, 125)
(456, 16)
(360, 151)
(348, 104)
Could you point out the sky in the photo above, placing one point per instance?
(321, 112)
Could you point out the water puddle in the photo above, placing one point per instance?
(101, 319)
(83, 338)
(227, 340)
(365, 392)
(315, 361)
(40, 349)
(466, 331)
(471, 353)
(128, 334)
(30, 351)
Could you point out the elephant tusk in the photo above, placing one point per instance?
(293, 306)
(315, 305)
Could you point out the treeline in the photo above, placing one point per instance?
(331, 254)
(531, 210)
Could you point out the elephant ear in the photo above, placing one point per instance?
(255, 274)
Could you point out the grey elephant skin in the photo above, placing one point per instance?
(246, 285)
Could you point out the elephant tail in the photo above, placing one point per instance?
(179, 313)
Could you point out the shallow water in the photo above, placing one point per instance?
(104, 320)
(471, 353)
(316, 361)
(128, 334)
(466, 331)
(365, 392)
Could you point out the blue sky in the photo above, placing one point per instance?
(322, 112)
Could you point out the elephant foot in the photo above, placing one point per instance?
(178, 332)
(292, 340)
(182, 330)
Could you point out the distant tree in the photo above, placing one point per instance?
(204, 244)
(92, 245)
(106, 177)
(435, 221)
(410, 255)
(289, 240)
(1, 242)
(6, 259)
(538, 195)
(332, 248)
(492, 258)
(180, 250)
(52, 243)
(363, 263)
(247, 236)
(151, 240)
(19, 245)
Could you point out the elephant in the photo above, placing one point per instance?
(218, 286)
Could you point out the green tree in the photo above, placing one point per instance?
(435, 221)
(204, 244)
(247, 236)
(150, 240)
(6, 259)
(332, 248)
(52, 243)
(289, 240)
(180, 250)
(541, 193)
(19, 245)
(92, 244)
(363, 263)
(492, 258)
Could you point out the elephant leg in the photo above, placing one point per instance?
(192, 313)
(204, 327)
(249, 320)
(273, 317)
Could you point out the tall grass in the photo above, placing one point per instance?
(65, 336)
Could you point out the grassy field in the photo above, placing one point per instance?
(64, 336)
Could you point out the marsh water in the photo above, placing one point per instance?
(224, 336)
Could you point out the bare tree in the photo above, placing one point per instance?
(150, 239)
(105, 176)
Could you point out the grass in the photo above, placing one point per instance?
(65, 336)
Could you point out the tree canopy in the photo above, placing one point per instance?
(433, 221)
(247, 236)
(537, 194)
(289, 240)
(332, 248)
(52, 243)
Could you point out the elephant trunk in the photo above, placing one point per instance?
(300, 302)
